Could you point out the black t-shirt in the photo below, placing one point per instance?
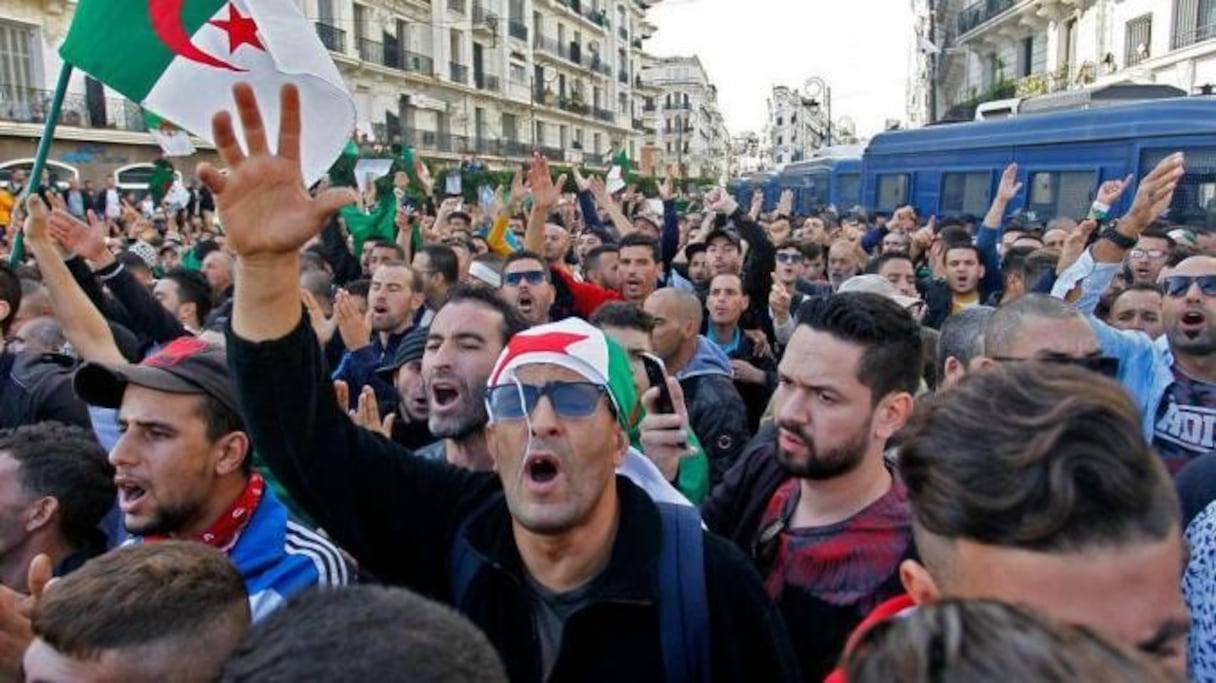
(1186, 421)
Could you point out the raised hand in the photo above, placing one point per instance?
(1155, 194)
(85, 240)
(355, 328)
(544, 192)
(367, 414)
(1110, 191)
(518, 189)
(579, 180)
(322, 326)
(779, 301)
(1074, 244)
(261, 197)
(1009, 187)
(786, 204)
(667, 190)
(37, 220)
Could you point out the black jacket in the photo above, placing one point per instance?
(716, 411)
(35, 387)
(736, 506)
(399, 516)
(149, 318)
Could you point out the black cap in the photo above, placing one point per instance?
(409, 349)
(186, 365)
(723, 232)
(694, 248)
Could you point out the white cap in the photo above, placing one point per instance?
(877, 284)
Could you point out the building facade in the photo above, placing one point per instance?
(452, 78)
(689, 130)
(748, 154)
(800, 122)
(996, 49)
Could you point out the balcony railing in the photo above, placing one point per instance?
(394, 57)
(649, 107)
(371, 51)
(1193, 35)
(637, 124)
(637, 81)
(622, 32)
(456, 6)
(30, 105)
(623, 76)
(459, 73)
(979, 12)
(601, 67)
(552, 153)
(419, 63)
(332, 37)
(675, 105)
(487, 82)
(481, 15)
(604, 115)
(567, 51)
(518, 29)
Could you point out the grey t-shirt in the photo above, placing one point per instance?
(550, 611)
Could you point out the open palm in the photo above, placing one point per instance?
(261, 198)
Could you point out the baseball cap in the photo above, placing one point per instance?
(186, 365)
(409, 349)
(650, 218)
(724, 233)
(580, 347)
(877, 284)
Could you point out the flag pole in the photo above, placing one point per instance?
(44, 148)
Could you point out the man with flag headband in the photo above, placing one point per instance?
(573, 572)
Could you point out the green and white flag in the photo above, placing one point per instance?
(180, 59)
(173, 141)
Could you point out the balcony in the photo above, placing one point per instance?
(604, 115)
(457, 6)
(419, 63)
(566, 51)
(370, 51)
(518, 30)
(487, 82)
(482, 17)
(637, 124)
(332, 37)
(649, 107)
(1192, 34)
(552, 153)
(623, 76)
(675, 106)
(981, 12)
(600, 67)
(29, 105)
(622, 32)
(597, 17)
(459, 73)
(574, 105)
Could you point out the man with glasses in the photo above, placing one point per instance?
(1172, 379)
(791, 286)
(1148, 257)
(526, 286)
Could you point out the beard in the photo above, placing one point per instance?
(471, 417)
(165, 520)
(829, 463)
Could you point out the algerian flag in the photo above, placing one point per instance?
(161, 180)
(180, 59)
(618, 175)
(173, 141)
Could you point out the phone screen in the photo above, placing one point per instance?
(656, 374)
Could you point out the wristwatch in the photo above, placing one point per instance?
(1119, 239)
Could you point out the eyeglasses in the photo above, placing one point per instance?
(1103, 365)
(534, 277)
(790, 258)
(1148, 253)
(1179, 285)
(570, 400)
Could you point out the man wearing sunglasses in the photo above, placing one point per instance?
(1148, 257)
(526, 286)
(1172, 379)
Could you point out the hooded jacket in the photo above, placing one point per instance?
(716, 411)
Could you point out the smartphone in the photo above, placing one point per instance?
(656, 374)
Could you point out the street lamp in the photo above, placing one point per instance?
(817, 90)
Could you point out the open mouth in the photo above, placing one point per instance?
(444, 395)
(525, 303)
(379, 309)
(129, 494)
(541, 469)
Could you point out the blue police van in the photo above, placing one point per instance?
(1062, 157)
(832, 178)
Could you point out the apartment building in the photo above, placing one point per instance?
(995, 49)
(490, 78)
(688, 126)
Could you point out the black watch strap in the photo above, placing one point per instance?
(1119, 239)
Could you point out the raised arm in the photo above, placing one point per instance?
(544, 197)
(83, 325)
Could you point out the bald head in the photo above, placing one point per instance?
(1037, 325)
(676, 304)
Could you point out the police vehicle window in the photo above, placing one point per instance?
(966, 192)
(1067, 193)
(850, 189)
(1195, 198)
(892, 190)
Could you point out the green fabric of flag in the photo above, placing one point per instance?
(161, 180)
(380, 224)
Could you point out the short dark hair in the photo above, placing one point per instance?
(1136, 287)
(881, 260)
(592, 260)
(359, 288)
(10, 293)
(443, 261)
(962, 336)
(512, 322)
(394, 632)
(1014, 260)
(219, 420)
(955, 235)
(66, 463)
(891, 338)
(623, 314)
(951, 246)
(1004, 324)
(1040, 456)
(967, 640)
(635, 239)
(180, 592)
(132, 261)
(386, 244)
(525, 255)
(192, 288)
(1159, 230)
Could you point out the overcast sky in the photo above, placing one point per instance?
(747, 46)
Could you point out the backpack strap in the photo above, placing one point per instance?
(683, 600)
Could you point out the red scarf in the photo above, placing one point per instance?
(223, 532)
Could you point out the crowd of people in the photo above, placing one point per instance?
(596, 436)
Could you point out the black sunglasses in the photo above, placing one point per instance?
(1179, 285)
(1103, 365)
(790, 258)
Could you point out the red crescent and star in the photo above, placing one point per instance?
(529, 343)
(166, 16)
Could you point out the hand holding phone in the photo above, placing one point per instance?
(656, 375)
